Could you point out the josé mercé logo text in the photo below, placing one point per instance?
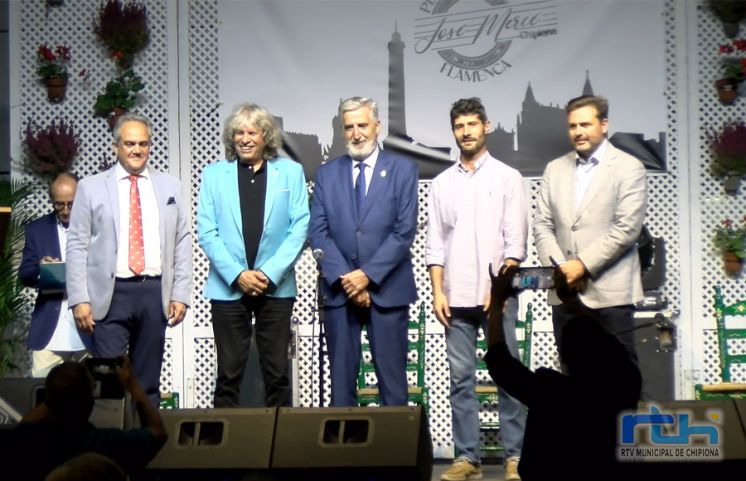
(472, 37)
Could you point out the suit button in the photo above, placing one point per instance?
(358, 233)
(569, 253)
(353, 257)
(574, 228)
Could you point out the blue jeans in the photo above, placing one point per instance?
(460, 346)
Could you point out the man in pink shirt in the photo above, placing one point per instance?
(477, 216)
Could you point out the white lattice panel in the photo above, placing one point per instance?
(715, 205)
(71, 25)
(666, 216)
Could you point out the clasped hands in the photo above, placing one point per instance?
(252, 283)
(355, 285)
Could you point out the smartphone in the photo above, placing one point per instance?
(101, 366)
(106, 384)
(534, 278)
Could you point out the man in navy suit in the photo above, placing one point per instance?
(53, 337)
(364, 219)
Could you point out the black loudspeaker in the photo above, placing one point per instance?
(17, 397)
(380, 443)
(214, 443)
(656, 366)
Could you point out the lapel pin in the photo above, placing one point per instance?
(383, 173)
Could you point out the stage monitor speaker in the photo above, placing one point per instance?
(17, 396)
(353, 443)
(201, 441)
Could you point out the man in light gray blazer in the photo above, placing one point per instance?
(129, 255)
(589, 214)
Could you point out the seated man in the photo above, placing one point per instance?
(58, 429)
(572, 418)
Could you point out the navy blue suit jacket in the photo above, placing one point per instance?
(379, 241)
(42, 240)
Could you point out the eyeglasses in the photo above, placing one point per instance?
(62, 205)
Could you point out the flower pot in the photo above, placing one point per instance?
(730, 29)
(114, 115)
(732, 263)
(727, 90)
(56, 88)
(731, 184)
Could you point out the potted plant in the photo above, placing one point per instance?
(119, 96)
(52, 68)
(730, 13)
(729, 154)
(123, 28)
(731, 241)
(13, 300)
(733, 71)
(51, 149)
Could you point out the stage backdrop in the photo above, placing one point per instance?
(524, 58)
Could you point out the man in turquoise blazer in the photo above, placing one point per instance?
(252, 221)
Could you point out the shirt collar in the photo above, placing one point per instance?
(595, 157)
(370, 160)
(123, 174)
(478, 163)
(60, 225)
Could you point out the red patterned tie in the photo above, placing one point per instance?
(137, 250)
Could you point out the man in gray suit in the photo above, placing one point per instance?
(129, 255)
(590, 212)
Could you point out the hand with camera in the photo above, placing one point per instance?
(148, 413)
(501, 289)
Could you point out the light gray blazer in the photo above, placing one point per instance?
(601, 232)
(93, 238)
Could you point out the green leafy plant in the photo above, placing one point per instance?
(730, 238)
(729, 150)
(119, 93)
(50, 149)
(52, 63)
(123, 28)
(733, 67)
(12, 300)
(728, 11)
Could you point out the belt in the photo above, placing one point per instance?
(138, 278)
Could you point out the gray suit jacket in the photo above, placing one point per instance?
(93, 238)
(601, 232)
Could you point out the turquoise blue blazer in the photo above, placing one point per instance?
(220, 234)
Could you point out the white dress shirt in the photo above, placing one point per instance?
(150, 224)
(584, 170)
(66, 336)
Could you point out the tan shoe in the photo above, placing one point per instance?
(461, 470)
(511, 469)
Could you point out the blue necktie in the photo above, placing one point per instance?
(360, 188)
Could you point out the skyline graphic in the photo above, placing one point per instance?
(538, 137)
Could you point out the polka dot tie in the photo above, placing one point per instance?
(137, 250)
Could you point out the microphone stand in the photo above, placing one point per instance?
(318, 255)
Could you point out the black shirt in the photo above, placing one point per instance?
(252, 190)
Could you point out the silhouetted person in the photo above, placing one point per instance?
(58, 429)
(88, 467)
(572, 418)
